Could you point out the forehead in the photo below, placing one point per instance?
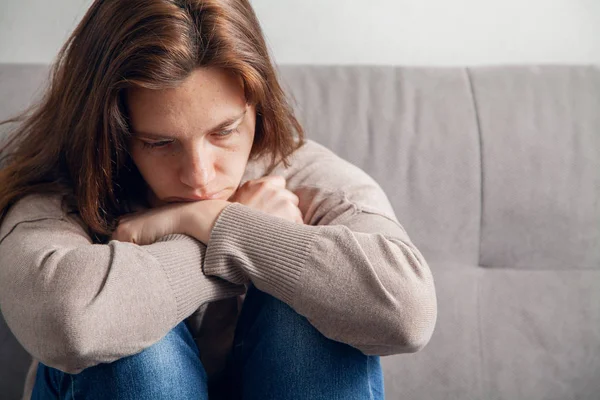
(207, 95)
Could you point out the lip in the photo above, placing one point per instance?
(197, 198)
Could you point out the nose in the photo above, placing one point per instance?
(198, 170)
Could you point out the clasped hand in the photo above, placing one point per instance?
(197, 219)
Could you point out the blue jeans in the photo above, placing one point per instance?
(277, 354)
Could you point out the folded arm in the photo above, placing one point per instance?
(351, 271)
(73, 304)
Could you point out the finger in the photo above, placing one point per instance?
(299, 218)
(275, 180)
(117, 236)
(293, 198)
(123, 235)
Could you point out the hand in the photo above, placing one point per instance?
(268, 194)
(199, 218)
(147, 226)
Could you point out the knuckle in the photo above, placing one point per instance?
(295, 198)
(277, 180)
(123, 232)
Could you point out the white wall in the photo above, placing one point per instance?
(405, 32)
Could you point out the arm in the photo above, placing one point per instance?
(352, 271)
(73, 304)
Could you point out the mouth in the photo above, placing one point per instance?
(196, 198)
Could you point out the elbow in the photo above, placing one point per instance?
(408, 336)
(64, 363)
(414, 326)
(398, 338)
(412, 320)
(69, 348)
(415, 343)
(48, 334)
(57, 351)
(400, 330)
(414, 308)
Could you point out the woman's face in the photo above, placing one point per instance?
(193, 141)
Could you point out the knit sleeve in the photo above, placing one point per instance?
(73, 304)
(351, 269)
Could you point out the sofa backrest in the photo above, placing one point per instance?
(491, 166)
(495, 166)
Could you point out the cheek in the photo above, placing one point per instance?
(156, 171)
(232, 161)
(142, 161)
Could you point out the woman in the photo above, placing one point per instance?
(167, 231)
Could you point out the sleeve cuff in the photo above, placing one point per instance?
(181, 258)
(250, 244)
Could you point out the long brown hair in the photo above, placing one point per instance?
(74, 140)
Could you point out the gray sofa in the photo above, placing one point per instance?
(495, 173)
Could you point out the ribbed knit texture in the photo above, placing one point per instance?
(270, 251)
(184, 271)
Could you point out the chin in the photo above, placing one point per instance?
(155, 201)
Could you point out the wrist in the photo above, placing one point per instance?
(199, 218)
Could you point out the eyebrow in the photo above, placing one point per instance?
(218, 127)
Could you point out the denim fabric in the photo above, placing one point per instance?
(277, 354)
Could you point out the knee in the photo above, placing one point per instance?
(172, 358)
(261, 308)
(282, 352)
(176, 346)
(277, 325)
(170, 368)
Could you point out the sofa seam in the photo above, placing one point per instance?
(479, 266)
(479, 136)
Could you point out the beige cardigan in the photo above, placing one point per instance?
(351, 270)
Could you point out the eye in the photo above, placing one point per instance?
(152, 145)
(227, 133)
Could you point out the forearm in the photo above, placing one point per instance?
(85, 304)
(198, 218)
(373, 291)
